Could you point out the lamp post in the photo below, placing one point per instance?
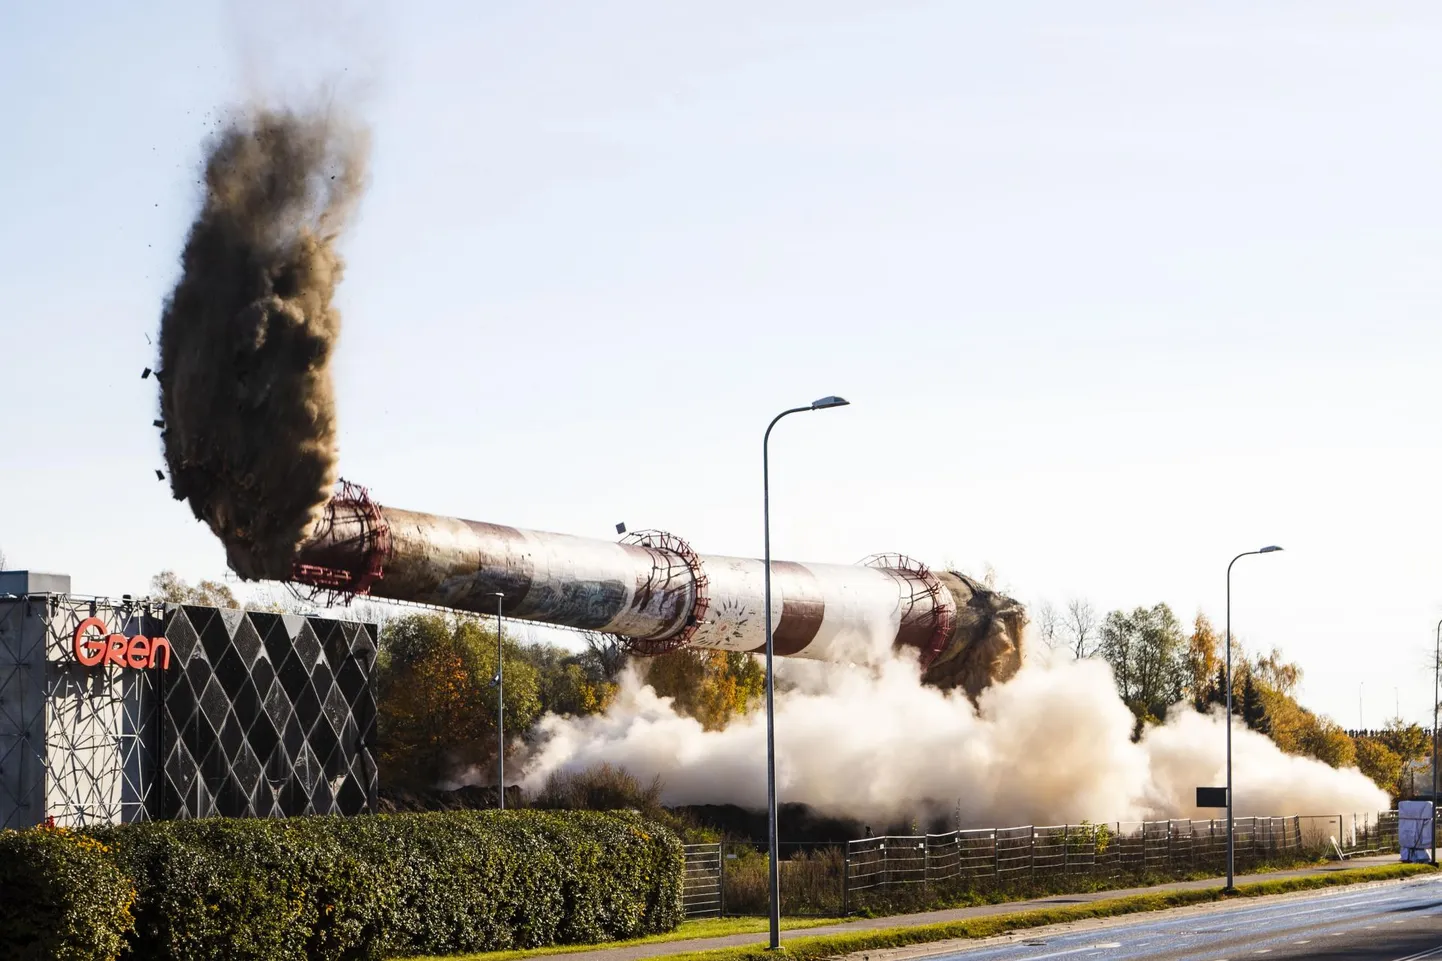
(1436, 667)
(774, 870)
(1231, 845)
(500, 682)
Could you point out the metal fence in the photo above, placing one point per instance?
(704, 890)
(824, 878)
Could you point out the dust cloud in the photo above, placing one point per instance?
(247, 335)
(1051, 745)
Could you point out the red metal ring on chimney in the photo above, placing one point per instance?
(671, 544)
(375, 550)
(943, 618)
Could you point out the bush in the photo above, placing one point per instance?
(486, 881)
(64, 898)
(248, 889)
(600, 788)
(340, 889)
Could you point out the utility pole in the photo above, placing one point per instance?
(500, 682)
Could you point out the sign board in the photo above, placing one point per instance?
(1211, 797)
(136, 652)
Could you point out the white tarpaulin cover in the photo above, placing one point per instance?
(1414, 830)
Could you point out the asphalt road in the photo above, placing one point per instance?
(1391, 922)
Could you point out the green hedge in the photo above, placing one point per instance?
(62, 898)
(335, 889)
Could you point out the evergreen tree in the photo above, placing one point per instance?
(1217, 693)
(1254, 713)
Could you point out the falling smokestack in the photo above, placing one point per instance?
(659, 595)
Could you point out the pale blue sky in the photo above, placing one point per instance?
(1115, 293)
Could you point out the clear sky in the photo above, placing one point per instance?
(1116, 293)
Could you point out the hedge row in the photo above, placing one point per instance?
(335, 889)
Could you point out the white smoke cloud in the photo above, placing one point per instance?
(1050, 746)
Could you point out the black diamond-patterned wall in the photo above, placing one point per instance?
(267, 715)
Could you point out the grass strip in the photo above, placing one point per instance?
(688, 931)
(875, 939)
(834, 945)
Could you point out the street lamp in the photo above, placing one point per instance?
(775, 868)
(1231, 847)
(499, 681)
(1436, 666)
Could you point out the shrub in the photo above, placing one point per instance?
(485, 881)
(248, 889)
(355, 889)
(599, 788)
(64, 898)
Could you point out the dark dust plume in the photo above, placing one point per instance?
(247, 335)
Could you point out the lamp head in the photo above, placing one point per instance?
(832, 401)
(1268, 550)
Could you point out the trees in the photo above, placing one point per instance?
(1324, 740)
(605, 655)
(1074, 630)
(169, 587)
(1202, 664)
(711, 686)
(1217, 690)
(1408, 741)
(1080, 628)
(1281, 676)
(1147, 653)
(436, 705)
(1380, 763)
(1118, 639)
(1254, 714)
(1048, 626)
(571, 682)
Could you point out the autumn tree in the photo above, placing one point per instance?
(571, 682)
(1206, 674)
(1408, 741)
(436, 700)
(712, 686)
(1325, 740)
(1380, 763)
(1277, 674)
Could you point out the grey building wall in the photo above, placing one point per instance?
(73, 739)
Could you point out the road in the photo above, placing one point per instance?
(1388, 922)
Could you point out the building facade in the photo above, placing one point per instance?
(128, 710)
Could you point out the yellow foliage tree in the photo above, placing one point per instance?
(1202, 662)
(435, 701)
(712, 686)
(1380, 763)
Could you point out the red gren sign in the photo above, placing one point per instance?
(136, 652)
